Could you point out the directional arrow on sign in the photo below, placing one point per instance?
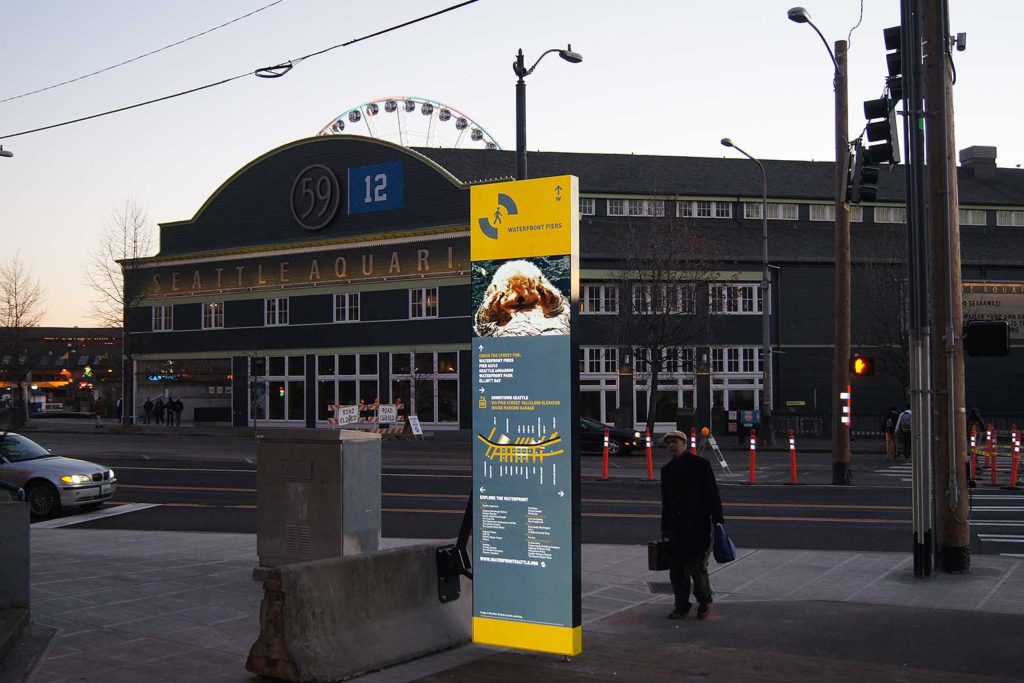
(481, 347)
(481, 390)
(483, 490)
(561, 494)
(558, 193)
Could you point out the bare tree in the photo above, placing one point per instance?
(663, 290)
(21, 308)
(883, 308)
(116, 278)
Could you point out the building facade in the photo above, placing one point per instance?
(335, 270)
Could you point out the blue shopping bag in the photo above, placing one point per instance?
(724, 548)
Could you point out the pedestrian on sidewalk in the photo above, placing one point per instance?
(158, 410)
(903, 429)
(690, 507)
(178, 408)
(889, 429)
(147, 408)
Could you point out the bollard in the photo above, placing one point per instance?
(604, 457)
(988, 446)
(753, 457)
(995, 457)
(1015, 464)
(650, 455)
(693, 441)
(792, 457)
(974, 453)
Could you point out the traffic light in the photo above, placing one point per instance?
(863, 177)
(987, 337)
(894, 61)
(847, 173)
(862, 365)
(882, 130)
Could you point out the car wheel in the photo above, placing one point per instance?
(614, 446)
(43, 499)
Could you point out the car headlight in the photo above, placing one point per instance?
(636, 435)
(76, 479)
(110, 474)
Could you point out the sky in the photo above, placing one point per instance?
(668, 77)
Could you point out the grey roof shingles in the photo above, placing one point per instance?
(642, 174)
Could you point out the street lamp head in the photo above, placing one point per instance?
(570, 56)
(5, 153)
(726, 142)
(799, 15)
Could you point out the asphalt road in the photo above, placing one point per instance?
(209, 484)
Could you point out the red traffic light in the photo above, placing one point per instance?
(862, 365)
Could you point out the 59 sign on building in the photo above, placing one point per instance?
(526, 570)
(316, 193)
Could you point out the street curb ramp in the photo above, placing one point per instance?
(330, 620)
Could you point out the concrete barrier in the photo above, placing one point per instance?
(329, 620)
(14, 554)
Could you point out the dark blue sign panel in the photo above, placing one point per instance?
(378, 187)
(522, 480)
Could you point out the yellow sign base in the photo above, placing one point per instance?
(558, 640)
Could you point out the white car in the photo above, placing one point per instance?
(52, 482)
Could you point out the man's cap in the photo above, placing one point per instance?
(674, 434)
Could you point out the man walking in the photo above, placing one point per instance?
(690, 506)
(903, 429)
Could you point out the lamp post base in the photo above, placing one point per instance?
(842, 475)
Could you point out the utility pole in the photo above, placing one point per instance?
(954, 541)
(919, 329)
(841, 358)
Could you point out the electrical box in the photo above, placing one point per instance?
(317, 494)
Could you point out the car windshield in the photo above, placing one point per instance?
(593, 424)
(17, 448)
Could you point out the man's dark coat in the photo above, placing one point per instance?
(690, 504)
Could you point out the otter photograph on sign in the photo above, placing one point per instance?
(527, 297)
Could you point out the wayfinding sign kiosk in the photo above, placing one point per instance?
(524, 248)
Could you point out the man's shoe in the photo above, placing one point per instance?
(703, 611)
(677, 614)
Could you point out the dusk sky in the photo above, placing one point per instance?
(658, 77)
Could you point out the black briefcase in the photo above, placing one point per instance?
(658, 556)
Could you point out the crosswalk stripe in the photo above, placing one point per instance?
(91, 516)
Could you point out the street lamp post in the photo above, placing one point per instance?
(766, 339)
(520, 70)
(841, 344)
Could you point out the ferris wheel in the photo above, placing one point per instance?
(412, 122)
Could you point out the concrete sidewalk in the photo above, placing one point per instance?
(171, 606)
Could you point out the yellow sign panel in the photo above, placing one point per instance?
(559, 640)
(523, 218)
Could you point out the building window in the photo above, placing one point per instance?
(587, 206)
(776, 211)
(703, 209)
(827, 212)
(736, 299)
(636, 207)
(346, 307)
(275, 311)
(347, 379)
(423, 302)
(277, 388)
(213, 315)
(599, 360)
(163, 318)
(736, 360)
(598, 299)
(428, 382)
(1010, 219)
(664, 298)
(675, 360)
(972, 217)
(890, 214)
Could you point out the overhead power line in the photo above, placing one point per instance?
(263, 72)
(135, 59)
